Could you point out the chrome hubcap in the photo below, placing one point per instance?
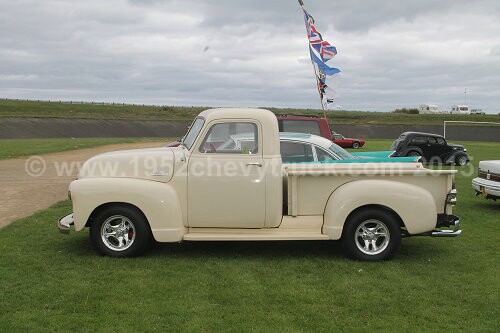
(118, 233)
(372, 237)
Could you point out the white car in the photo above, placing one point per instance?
(487, 182)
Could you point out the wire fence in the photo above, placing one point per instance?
(76, 102)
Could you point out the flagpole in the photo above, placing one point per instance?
(312, 62)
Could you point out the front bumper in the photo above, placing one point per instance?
(447, 221)
(64, 224)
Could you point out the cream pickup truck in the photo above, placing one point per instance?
(209, 190)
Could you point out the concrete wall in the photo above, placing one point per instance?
(16, 128)
(458, 133)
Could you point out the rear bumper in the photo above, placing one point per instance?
(447, 221)
(64, 224)
(487, 188)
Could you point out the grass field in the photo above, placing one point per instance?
(16, 109)
(11, 148)
(54, 282)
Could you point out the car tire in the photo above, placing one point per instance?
(120, 231)
(413, 153)
(355, 145)
(461, 160)
(371, 234)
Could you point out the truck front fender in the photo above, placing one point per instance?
(414, 205)
(157, 201)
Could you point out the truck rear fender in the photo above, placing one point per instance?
(157, 201)
(413, 205)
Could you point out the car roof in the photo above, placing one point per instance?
(421, 133)
(309, 138)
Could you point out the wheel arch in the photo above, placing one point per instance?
(412, 205)
(107, 205)
(158, 203)
(410, 149)
(378, 207)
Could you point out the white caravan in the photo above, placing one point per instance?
(460, 109)
(428, 109)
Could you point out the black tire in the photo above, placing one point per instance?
(355, 145)
(379, 222)
(413, 153)
(135, 230)
(461, 160)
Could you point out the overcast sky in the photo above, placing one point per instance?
(392, 53)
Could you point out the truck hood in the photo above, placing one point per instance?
(152, 164)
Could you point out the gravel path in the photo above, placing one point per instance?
(22, 194)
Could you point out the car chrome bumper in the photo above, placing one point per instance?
(64, 224)
(449, 221)
(486, 188)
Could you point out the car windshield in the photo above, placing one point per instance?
(341, 152)
(192, 133)
(395, 144)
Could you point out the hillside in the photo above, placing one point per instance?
(35, 109)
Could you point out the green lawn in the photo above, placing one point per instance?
(10, 148)
(55, 282)
(18, 109)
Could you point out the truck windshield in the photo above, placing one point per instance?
(193, 132)
(342, 153)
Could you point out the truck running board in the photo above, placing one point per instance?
(291, 228)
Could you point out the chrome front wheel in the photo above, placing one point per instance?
(118, 233)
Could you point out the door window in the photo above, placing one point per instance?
(419, 140)
(441, 141)
(231, 138)
(323, 156)
(294, 152)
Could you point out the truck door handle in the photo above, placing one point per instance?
(256, 164)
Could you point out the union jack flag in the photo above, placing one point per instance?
(325, 50)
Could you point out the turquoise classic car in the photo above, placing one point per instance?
(310, 148)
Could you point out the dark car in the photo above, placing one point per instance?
(432, 147)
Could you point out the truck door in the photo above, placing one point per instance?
(226, 178)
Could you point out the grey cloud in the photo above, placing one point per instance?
(392, 53)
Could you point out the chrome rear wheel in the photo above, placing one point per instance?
(372, 237)
(371, 233)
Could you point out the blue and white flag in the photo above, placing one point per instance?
(322, 67)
